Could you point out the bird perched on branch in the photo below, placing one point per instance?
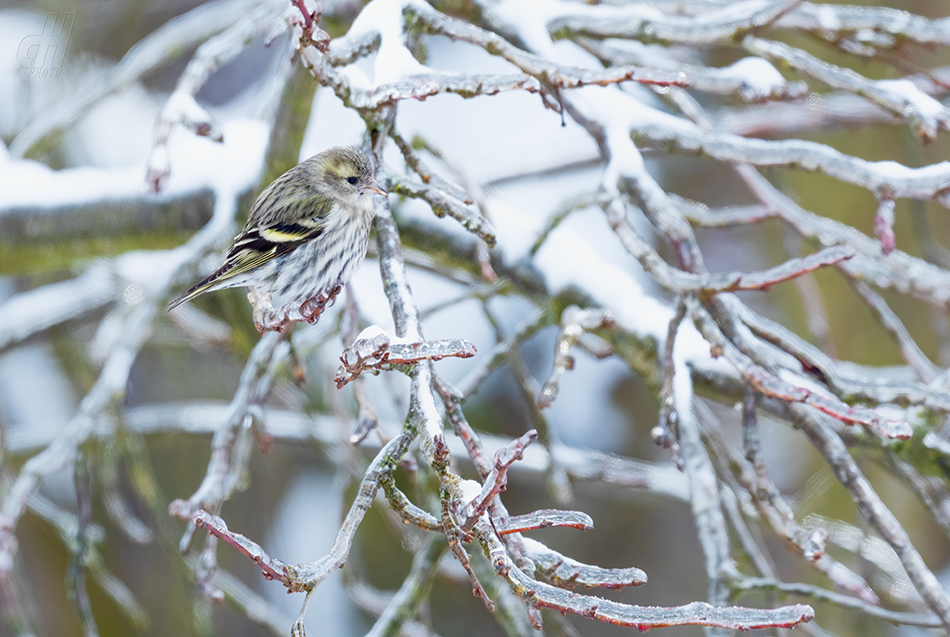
(305, 236)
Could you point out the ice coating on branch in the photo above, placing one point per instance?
(372, 332)
(371, 343)
(376, 349)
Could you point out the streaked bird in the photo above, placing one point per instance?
(304, 238)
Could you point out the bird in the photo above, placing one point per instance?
(305, 236)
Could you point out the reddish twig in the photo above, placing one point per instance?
(272, 569)
(498, 478)
(884, 224)
(456, 535)
(311, 33)
(786, 271)
(452, 400)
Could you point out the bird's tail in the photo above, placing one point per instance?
(207, 284)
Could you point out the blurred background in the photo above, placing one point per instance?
(79, 202)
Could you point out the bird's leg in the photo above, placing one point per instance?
(312, 308)
(266, 318)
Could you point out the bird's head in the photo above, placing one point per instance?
(347, 175)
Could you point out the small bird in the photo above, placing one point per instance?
(304, 238)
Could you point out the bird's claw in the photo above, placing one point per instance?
(311, 309)
(266, 318)
(269, 319)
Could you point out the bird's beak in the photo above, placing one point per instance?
(375, 187)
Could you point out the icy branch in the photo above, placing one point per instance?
(543, 519)
(640, 23)
(444, 203)
(573, 323)
(376, 350)
(563, 572)
(642, 617)
(497, 479)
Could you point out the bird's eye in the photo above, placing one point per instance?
(351, 180)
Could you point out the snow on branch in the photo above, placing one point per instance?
(925, 115)
(156, 49)
(871, 28)
(928, 182)
(643, 24)
(752, 79)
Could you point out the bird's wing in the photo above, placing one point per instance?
(257, 246)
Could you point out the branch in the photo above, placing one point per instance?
(543, 595)
(374, 349)
(563, 572)
(871, 506)
(574, 322)
(497, 479)
(925, 115)
(640, 23)
(542, 519)
(773, 386)
(181, 108)
(820, 594)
